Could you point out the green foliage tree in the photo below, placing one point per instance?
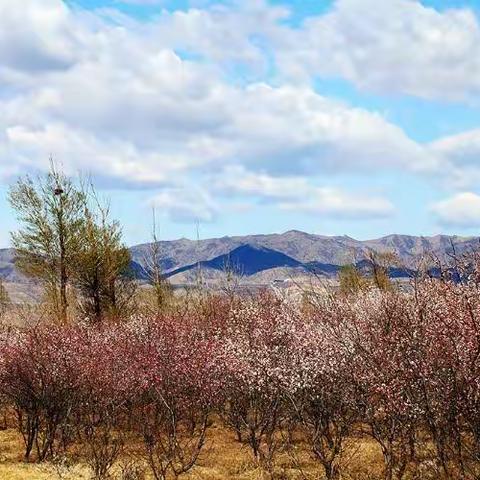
(51, 212)
(376, 274)
(102, 267)
(351, 280)
(68, 242)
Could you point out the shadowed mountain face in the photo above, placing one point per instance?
(318, 253)
(244, 260)
(306, 248)
(293, 251)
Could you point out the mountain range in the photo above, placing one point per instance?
(266, 258)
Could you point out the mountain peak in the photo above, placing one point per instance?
(294, 250)
(245, 259)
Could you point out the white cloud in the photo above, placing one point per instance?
(340, 204)
(238, 181)
(461, 149)
(298, 194)
(225, 34)
(109, 160)
(394, 46)
(186, 205)
(151, 104)
(292, 129)
(130, 108)
(36, 36)
(461, 210)
(459, 157)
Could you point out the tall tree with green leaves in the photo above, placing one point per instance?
(50, 210)
(102, 266)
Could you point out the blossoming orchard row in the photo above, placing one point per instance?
(400, 368)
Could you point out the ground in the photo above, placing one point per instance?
(222, 459)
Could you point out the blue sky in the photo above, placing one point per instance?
(356, 117)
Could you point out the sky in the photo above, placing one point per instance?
(343, 117)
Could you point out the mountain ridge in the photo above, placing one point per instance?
(291, 251)
(304, 247)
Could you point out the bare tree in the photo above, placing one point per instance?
(232, 278)
(153, 268)
(380, 263)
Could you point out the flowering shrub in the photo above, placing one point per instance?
(403, 368)
(258, 344)
(40, 377)
(179, 387)
(324, 398)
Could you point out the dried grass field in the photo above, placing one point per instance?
(223, 458)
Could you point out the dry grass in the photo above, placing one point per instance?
(12, 466)
(222, 459)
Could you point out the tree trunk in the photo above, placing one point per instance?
(63, 266)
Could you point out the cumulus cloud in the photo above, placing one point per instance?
(458, 155)
(36, 37)
(461, 210)
(149, 104)
(237, 32)
(293, 129)
(298, 194)
(461, 149)
(110, 160)
(148, 112)
(238, 181)
(186, 205)
(395, 46)
(339, 204)
(399, 46)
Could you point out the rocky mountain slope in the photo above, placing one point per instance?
(261, 257)
(304, 248)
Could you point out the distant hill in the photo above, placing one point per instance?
(318, 253)
(245, 260)
(261, 258)
(8, 272)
